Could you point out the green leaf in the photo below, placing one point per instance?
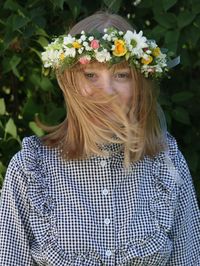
(19, 22)
(42, 41)
(157, 7)
(59, 3)
(146, 4)
(75, 7)
(181, 96)
(1, 180)
(185, 18)
(2, 106)
(181, 115)
(55, 114)
(46, 84)
(37, 12)
(38, 53)
(192, 36)
(41, 32)
(158, 32)
(165, 101)
(167, 4)
(2, 22)
(11, 64)
(8, 37)
(30, 108)
(196, 8)
(2, 168)
(11, 5)
(11, 128)
(171, 40)
(167, 20)
(113, 5)
(38, 131)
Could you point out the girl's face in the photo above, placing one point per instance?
(114, 80)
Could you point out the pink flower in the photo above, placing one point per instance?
(84, 60)
(94, 44)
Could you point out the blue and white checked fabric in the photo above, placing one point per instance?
(93, 213)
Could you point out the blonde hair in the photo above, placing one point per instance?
(79, 137)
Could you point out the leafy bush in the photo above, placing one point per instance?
(27, 26)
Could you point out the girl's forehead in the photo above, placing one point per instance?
(98, 66)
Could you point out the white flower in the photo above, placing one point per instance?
(121, 33)
(71, 52)
(85, 44)
(88, 48)
(50, 57)
(152, 44)
(80, 50)
(83, 38)
(158, 69)
(105, 36)
(114, 38)
(145, 56)
(82, 32)
(161, 60)
(109, 38)
(91, 38)
(103, 56)
(105, 30)
(135, 42)
(148, 51)
(68, 39)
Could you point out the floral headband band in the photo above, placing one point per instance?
(111, 47)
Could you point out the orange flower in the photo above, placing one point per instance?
(120, 48)
(147, 61)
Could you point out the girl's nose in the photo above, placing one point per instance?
(107, 86)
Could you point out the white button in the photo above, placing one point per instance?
(107, 221)
(103, 163)
(105, 191)
(108, 253)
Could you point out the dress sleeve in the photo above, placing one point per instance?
(15, 231)
(185, 232)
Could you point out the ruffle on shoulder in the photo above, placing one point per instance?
(42, 204)
(38, 185)
(162, 206)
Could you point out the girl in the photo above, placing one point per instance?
(108, 186)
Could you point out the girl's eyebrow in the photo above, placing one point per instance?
(90, 69)
(121, 69)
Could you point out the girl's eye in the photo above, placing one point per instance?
(122, 75)
(90, 75)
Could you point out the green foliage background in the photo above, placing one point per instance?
(27, 26)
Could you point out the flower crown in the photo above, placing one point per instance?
(111, 47)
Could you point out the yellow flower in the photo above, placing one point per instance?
(76, 45)
(62, 56)
(156, 51)
(147, 61)
(120, 48)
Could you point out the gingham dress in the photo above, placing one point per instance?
(93, 213)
